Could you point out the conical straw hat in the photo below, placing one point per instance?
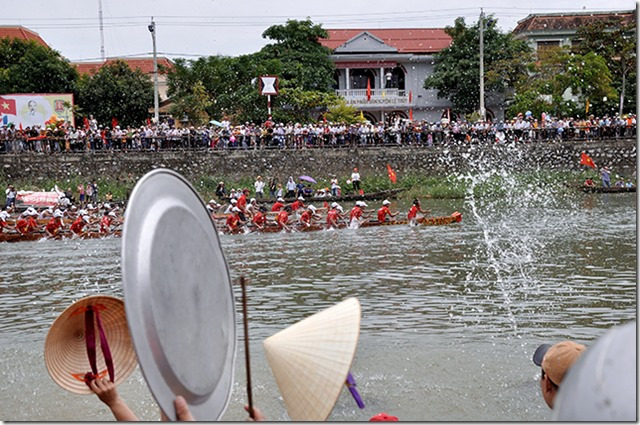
(310, 359)
(65, 349)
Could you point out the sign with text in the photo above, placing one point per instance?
(35, 108)
(269, 85)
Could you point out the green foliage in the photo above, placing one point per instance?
(299, 105)
(556, 73)
(302, 64)
(617, 45)
(456, 73)
(117, 91)
(305, 62)
(28, 67)
(194, 105)
(341, 112)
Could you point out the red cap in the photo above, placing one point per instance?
(383, 417)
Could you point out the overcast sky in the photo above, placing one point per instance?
(193, 28)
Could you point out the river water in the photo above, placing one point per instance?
(451, 315)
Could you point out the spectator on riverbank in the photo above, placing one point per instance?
(606, 177)
(554, 361)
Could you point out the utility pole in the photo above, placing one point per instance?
(156, 109)
(102, 56)
(481, 23)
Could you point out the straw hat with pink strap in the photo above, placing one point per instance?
(310, 360)
(84, 329)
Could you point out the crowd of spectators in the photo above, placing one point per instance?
(166, 136)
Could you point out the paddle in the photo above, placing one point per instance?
(246, 344)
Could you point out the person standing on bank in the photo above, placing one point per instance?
(259, 185)
(606, 177)
(554, 361)
(355, 180)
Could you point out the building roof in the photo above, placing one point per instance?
(406, 40)
(21, 33)
(143, 64)
(570, 20)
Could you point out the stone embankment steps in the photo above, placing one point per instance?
(437, 160)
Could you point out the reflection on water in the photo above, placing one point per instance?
(442, 307)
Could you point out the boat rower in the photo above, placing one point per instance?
(282, 219)
(3, 221)
(384, 212)
(233, 220)
(308, 215)
(77, 226)
(259, 219)
(27, 221)
(55, 224)
(278, 205)
(412, 215)
(334, 215)
(357, 214)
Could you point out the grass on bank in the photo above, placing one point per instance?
(415, 185)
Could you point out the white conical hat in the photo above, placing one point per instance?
(311, 359)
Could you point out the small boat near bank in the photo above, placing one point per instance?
(372, 196)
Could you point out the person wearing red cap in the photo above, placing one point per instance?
(383, 417)
(554, 361)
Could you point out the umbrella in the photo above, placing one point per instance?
(218, 123)
(308, 178)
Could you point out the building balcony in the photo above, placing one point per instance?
(379, 97)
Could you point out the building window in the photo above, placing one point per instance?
(359, 79)
(394, 78)
(548, 44)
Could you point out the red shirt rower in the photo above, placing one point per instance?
(283, 218)
(278, 205)
(78, 224)
(54, 225)
(297, 204)
(384, 211)
(259, 219)
(26, 225)
(332, 217)
(233, 220)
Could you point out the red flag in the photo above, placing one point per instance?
(392, 174)
(148, 121)
(114, 122)
(7, 106)
(411, 114)
(86, 123)
(368, 90)
(410, 96)
(586, 160)
(20, 126)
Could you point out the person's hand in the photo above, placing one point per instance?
(105, 390)
(182, 409)
(257, 414)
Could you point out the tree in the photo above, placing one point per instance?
(117, 91)
(616, 43)
(560, 82)
(194, 105)
(306, 63)
(341, 112)
(456, 72)
(302, 64)
(28, 67)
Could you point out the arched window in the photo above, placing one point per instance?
(359, 78)
(394, 78)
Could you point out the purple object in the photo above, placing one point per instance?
(309, 179)
(351, 384)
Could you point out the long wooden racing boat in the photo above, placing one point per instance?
(271, 227)
(383, 194)
(34, 236)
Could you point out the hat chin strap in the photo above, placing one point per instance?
(90, 338)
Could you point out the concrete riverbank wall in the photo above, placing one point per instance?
(619, 155)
